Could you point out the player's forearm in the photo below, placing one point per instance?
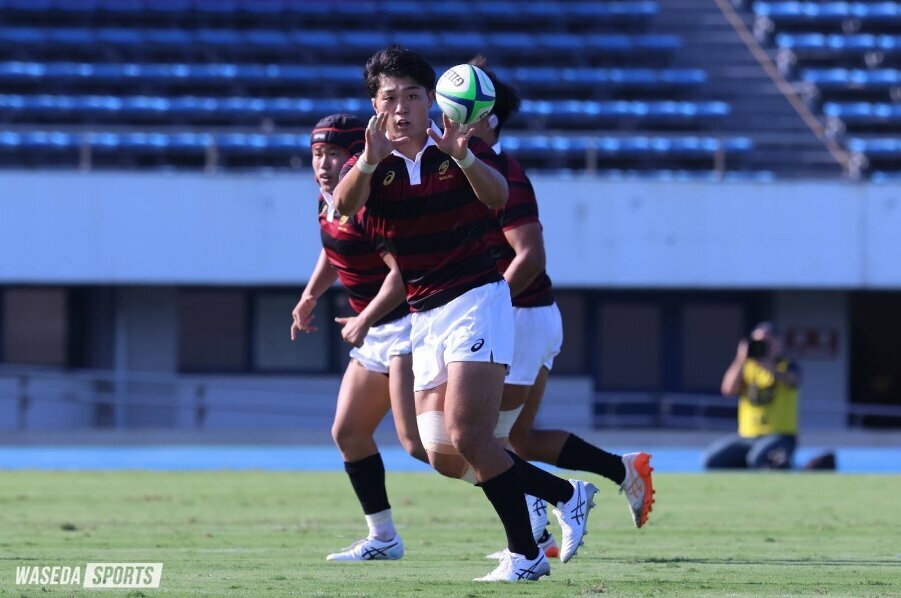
(352, 191)
(731, 385)
(391, 294)
(489, 185)
(522, 271)
(323, 277)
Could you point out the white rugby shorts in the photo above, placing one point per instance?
(382, 343)
(539, 336)
(476, 326)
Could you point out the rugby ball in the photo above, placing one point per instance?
(465, 94)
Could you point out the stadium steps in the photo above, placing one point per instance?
(782, 142)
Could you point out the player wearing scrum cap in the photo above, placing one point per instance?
(426, 194)
(379, 375)
(518, 247)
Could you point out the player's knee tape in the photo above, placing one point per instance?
(433, 433)
(469, 475)
(505, 421)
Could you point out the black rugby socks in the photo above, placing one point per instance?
(578, 455)
(505, 491)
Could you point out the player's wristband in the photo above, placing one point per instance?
(364, 166)
(467, 161)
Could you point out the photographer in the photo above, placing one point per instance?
(767, 386)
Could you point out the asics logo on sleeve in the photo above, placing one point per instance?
(477, 345)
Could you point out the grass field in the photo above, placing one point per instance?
(266, 534)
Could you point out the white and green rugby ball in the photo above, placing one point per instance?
(465, 94)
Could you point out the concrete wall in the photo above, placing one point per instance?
(825, 379)
(251, 229)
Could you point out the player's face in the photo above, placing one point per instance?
(328, 159)
(407, 104)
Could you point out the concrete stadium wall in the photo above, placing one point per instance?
(139, 228)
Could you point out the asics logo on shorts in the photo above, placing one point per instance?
(477, 345)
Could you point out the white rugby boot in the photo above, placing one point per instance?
(370, 549)
(537, 515)
(516, 567)
(573, 517)
(538, 519)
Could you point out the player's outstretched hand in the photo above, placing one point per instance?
(455, 141)
(303, 315)
(354, 330)
(378, 146)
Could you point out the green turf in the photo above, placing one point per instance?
(265, 534)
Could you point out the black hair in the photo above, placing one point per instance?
(506, 101)
(396, 61)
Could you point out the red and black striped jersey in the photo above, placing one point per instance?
(354, 256)
(521, 208)
(433, 224)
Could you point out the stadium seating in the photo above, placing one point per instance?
(847, 56)
(238, 83)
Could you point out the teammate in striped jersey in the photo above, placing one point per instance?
(427, 194)
(379, 375)
(518, 246)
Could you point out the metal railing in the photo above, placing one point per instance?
(112, 392)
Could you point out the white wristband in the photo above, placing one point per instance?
(364, 166)
(467, 161)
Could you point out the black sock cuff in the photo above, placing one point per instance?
(367, 476)
(579, 455)
(572, 444)
(365, 464)
(502, 481)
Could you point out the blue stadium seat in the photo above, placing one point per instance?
(45, 140)
(86, 7)
(863, 112)
(828, 11)
(70, 36)
(18, 71)
(122, 6)
(120, 36)
(368, 40)
(512, 41)
(263, 7)
(22, 36)
(168, 37)
(243, 142)
(266, 38)
(416, 39)
(314, 38)
(9, 140)
(218, 37)
(176, 8)
(830, 78)
(885, 147)
(103, 141)
(189, 142)
(466, 41)
(143, 141)
(142, 105)
(844, 43)
(32, 6)
(216, 6)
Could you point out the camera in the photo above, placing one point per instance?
(758, 349)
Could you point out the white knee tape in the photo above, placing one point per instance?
(469, 475)
(505, 421)
(433, 432)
